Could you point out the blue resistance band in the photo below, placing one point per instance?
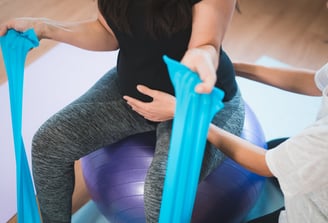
(15, 46)
(193, 115)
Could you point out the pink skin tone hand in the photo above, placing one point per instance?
(160, 109)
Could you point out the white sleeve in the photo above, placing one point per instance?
(300, 163)
(321, 77)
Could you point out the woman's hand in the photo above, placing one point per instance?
(204, 61)
(162, 107)
(23, 24)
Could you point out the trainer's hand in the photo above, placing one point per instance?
(162, 107)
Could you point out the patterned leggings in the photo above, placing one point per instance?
(101, 117)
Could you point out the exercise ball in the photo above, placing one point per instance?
(115, 176)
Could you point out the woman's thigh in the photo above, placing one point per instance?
(231, 118)
(99, 117)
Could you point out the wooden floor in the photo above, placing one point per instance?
(292, 31)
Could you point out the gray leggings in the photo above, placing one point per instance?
(101, 117)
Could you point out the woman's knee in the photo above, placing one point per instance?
(48, 140)
(39, 141)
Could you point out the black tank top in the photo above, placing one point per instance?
(140, 58)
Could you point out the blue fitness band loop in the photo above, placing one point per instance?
(15, 46)
(193, 115)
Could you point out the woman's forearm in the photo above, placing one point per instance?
(89, 34)
(206, 15)
(246, 154)
(211, 19)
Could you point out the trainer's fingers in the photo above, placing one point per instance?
(146, 90)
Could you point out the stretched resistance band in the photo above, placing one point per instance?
(15, 46)
(193, 115)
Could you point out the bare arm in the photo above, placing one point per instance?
(290, 79)
(92, 34)
(210, 21)
(246, 154)
(243, 152)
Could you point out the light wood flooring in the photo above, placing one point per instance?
(292, 31)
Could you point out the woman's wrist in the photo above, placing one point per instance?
(213, 52)
(45, 28)
(199, 53)
(41, 26)
(50, 29)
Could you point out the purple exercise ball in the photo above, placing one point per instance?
(115, 177)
